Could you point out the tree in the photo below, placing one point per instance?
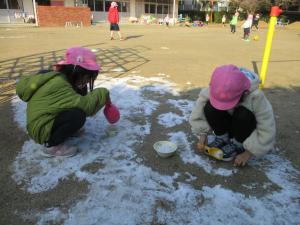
(285, 4)
(212, 9)
(252, 6)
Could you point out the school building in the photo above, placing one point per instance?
(203, 5)
(25, 11)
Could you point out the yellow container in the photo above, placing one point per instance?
(214, 152)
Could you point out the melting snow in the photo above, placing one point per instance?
(125, 191)
(170, 119)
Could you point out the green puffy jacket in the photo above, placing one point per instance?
(49, 94)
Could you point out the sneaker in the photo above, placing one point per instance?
(59, 150)
(111, 38)
(218, 142)
(230, 151)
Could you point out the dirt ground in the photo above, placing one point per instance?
(187, 55)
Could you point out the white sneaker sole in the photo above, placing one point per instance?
(229, 158)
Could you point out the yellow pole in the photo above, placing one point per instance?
(267, 51)
(273, 19)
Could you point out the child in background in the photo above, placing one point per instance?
(113, 18)
(58, 102)
(233, 22)
(247, 26)
(255, 21)
(207, 19)
(238, 113)
(167, 20)
(223, 20)
(160, 21)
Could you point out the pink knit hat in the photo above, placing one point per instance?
(111, 113)
(82, 57)
(113, 5)
(227, 85)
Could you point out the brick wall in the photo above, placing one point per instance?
(57, 16)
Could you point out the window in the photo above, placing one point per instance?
(43, 2)
(164, 1)
(147, 8)
(91, 4)
(159, 9)
(3, 5)
(107, 5)
(152, 8)
(80, 3)
(13, 4)
(166, 9)
(125, 7)
(99, 5)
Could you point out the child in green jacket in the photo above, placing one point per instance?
(233, 22)
(59, 101)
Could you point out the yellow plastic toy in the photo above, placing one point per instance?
(255, 38)
(214, 152)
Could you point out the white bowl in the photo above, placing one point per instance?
(165, 149)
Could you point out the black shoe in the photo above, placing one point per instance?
(218, 142)
(230, 151)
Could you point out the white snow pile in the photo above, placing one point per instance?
(126, 191)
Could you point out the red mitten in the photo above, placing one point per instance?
(111, 113)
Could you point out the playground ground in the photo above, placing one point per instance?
(179, 56)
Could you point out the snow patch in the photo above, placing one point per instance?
(125, 191)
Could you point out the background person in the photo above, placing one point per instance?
(113, 18)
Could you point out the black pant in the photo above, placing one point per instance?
(232, 28)
(246, 33)
(256, 25)
(239, 125)
(114, 27)
(65, 125)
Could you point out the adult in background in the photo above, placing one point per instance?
(113, 18)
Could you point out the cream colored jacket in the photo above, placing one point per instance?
(262, 139)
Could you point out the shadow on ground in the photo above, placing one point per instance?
(133, 37)
(115, 61)
(255, 66)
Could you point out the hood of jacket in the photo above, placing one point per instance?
(28, 86)
(253, 77)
